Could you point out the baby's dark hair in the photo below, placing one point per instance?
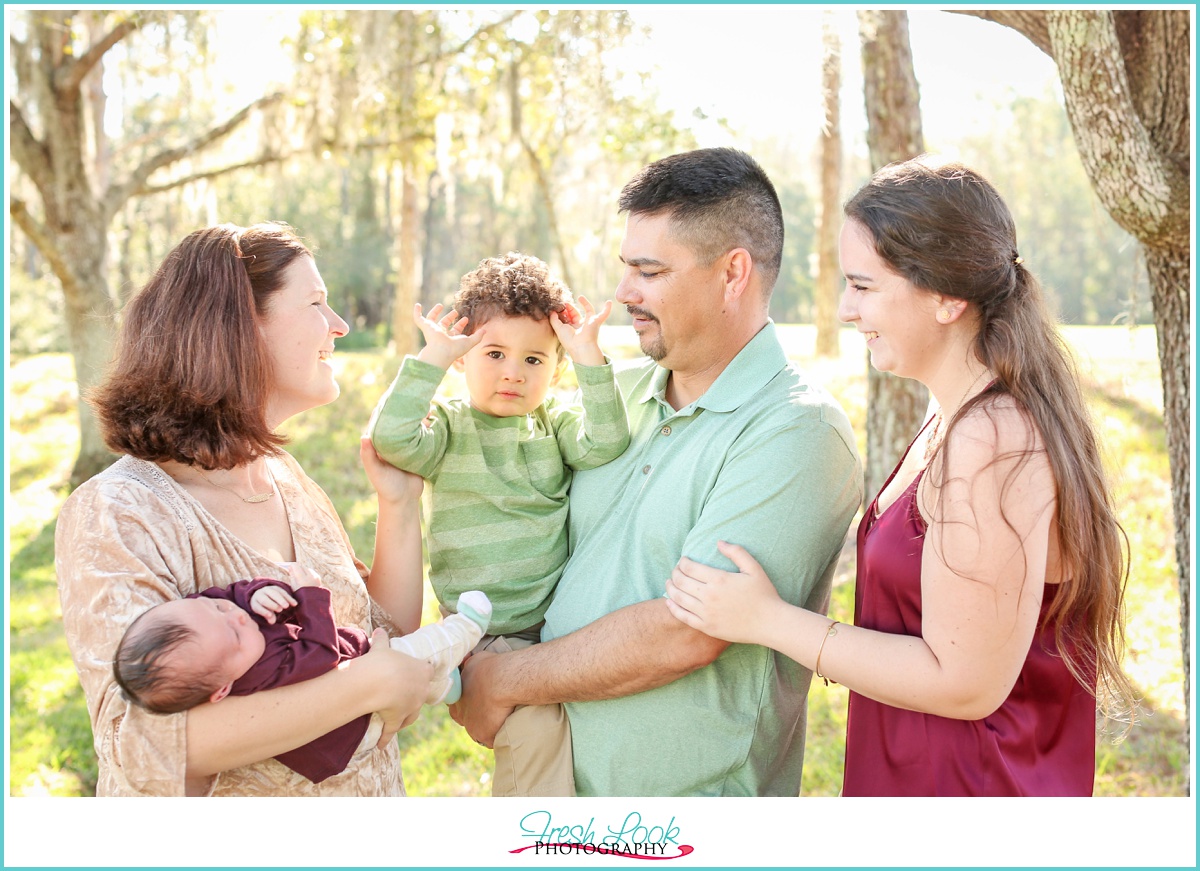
(147, 680)
(515, 285)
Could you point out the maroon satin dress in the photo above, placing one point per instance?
(1041, 741)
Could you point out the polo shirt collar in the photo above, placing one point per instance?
(755, 365)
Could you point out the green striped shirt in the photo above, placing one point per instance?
(498, 519)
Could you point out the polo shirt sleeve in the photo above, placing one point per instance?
(787, 494)
(596, 432)
(404, 429)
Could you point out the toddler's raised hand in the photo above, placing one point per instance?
(445, 340)
(578, 329)
(269, 601)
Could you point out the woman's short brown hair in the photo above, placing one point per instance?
(190, 378)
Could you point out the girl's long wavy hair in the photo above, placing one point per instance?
(191, 376)
(945, 229)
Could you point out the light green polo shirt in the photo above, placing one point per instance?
(763, 459)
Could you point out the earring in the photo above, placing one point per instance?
(943, 314)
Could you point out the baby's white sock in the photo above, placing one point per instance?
(446, 644)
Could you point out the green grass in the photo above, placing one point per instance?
(50, 738)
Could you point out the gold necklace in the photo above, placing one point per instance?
(257, 497)
(932, 443)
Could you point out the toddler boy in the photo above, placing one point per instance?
(499, 465)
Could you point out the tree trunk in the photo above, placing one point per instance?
(829, 278)
(895, 406)
(431, 267)
(72, 234)
(543, 184)
(1170, 278)
(404, 337)
(1139, 170)
(78, 199)
(91, 319)
(539, 172)
(90, 311)
(404, 332)
(97, 102)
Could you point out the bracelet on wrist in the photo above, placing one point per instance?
(829, 633)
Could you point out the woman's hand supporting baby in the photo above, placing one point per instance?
(400, 684)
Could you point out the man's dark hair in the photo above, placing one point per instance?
(148, 681)
(718, 199)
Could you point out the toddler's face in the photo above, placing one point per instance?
(512, 369)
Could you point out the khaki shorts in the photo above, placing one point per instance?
(533, 747)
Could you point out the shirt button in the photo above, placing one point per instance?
(666, 430)
(646, 469)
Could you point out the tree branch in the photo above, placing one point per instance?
(462, 46)
(70, 76)
(117, 195)
(22, 57)
(43, 240)
(266, 160)
(1144, 191)
(1029, 23)
(29, 152)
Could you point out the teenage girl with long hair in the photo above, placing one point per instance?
(991, 566)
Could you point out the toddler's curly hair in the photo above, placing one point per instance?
(515, 285)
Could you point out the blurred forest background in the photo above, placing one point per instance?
(499, 130)
(405, 145)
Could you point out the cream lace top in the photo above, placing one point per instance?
(131, 538)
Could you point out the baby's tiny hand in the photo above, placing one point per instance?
(269, 601)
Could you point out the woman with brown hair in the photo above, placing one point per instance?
(991, 567)
(231, 337)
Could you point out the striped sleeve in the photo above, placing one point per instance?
(402, 428)
(598, 431)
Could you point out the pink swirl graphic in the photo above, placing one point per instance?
(684, 850)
